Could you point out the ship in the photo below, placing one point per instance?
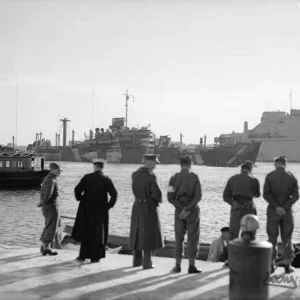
(21, 170)
(121, 144)
(277, 134)
(229, 150)
(117, 144)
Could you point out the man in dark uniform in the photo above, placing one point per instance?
(92, 219)
(184, 192)
(50, 208)
(145, 228)
(281, 192)
(239, 192)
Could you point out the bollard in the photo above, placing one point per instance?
(249, 263)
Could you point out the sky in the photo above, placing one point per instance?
(195, 66)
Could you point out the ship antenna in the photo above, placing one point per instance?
(290, 99)
(17, 96)
(126, 105)
(93, 110)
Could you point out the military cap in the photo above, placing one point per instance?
(281, 159)
(151, 156)
(186, 159)
(224, 229)
(248, 165)
(99, 161)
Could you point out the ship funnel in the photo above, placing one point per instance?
(73, 133)
(245, 127)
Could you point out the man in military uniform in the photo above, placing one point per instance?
(184, 192)
(145, 228)
(239, 193)
(92, 219)
(281, 192)
(50, 209)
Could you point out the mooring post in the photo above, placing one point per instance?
(249, 263)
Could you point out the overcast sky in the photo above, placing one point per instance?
(194, 66)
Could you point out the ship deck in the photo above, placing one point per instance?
(25, 274)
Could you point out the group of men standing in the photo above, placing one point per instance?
(280, 190)
(184, 193)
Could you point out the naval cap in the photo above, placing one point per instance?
(187, 159)
(152, 156)
(281, 159)
(99, 161)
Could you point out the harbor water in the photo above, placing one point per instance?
(21, 222)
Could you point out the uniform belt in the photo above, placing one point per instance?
(184, 199)
(140, 201)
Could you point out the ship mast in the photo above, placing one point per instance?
(17, 96)
(290, 100)
(127, 97)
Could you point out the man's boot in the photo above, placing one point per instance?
(192, 268)
(177, 268)
(137, 258)
(147, 262)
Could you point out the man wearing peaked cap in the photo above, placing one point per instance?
(100, 161)
(151, 157)
(184, 193)
(91, 224)
(239, 193)
(281, 191)
(145, 228)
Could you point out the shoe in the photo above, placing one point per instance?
(49, 252)
(194, 270)
(226, 264)
(149, 267)
(289, 269)
(176, 269)
(80, 259)
(95, 261)
(137, 265)
(272, 269)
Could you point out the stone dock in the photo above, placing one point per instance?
(26, 275)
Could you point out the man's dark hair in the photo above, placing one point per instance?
(53, 166)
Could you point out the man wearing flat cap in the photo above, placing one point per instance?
(92, 219)
(145, 228)
(281, 191)
(184, 193)
(239, 193)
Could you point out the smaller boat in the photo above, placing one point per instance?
(21, 170)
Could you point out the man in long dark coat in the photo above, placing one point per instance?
(91, 224)
(281, 191)
(145, 229)
(49, 204)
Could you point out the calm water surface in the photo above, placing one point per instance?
(21, 222)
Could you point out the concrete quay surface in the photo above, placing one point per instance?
(25, 274)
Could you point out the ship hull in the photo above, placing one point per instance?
(230, 156)
(126, 156)
(22, 180)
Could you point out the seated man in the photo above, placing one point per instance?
(218, 248)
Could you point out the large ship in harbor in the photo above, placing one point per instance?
(121, 144)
